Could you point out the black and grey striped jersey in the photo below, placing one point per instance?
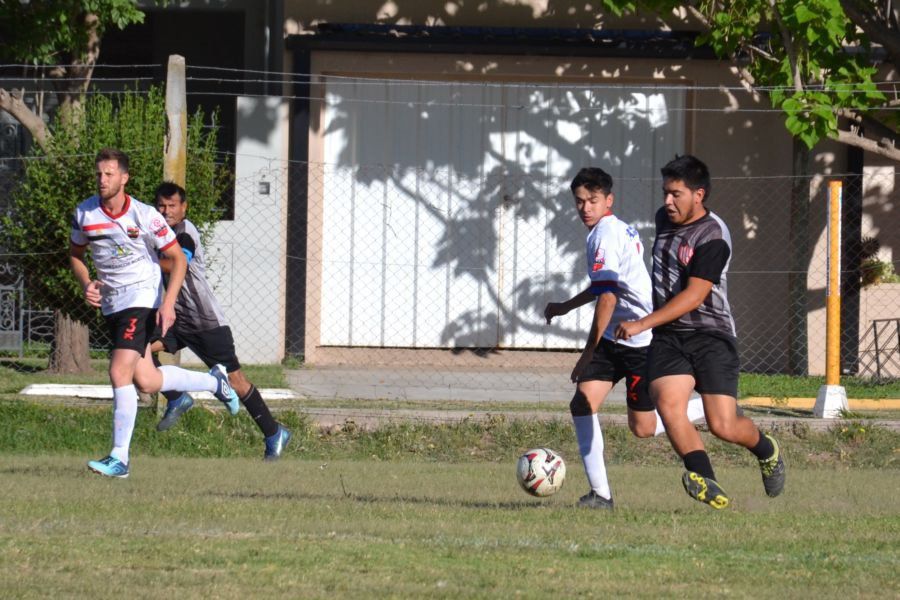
(699, 249)
(196, 308)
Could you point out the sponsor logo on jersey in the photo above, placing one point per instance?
(133, 232)
(122, 251)
(162, 232)
(599, 260)
(685, 253)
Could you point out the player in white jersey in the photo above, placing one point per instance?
(620, 287)
(124, 236)
(201, 326)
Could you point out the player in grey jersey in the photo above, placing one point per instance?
(202, 328)
(694, 344)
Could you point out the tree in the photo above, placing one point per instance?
(38, 226)
(64, 34)
(817, 60)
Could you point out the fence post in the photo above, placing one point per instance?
(832, 398)
(175, 151)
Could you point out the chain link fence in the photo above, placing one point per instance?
(431, 272)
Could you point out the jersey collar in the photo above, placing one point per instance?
(125, 206)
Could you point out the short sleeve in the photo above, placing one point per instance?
(77, 235)
(162, 235)
(709, 260)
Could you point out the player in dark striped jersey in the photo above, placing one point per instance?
(201, 326)
(694, 342)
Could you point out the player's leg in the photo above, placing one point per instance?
(217, 346)
(593, 386)
(127, 329)
(151, 379)
(177, 402)
(631, 364)
(717, 367)
(670, 375)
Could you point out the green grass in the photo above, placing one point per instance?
(238, 528)
(420, 510)
(787, 386)
(33, 428)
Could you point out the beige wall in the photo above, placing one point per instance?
(300, 15)
(747, 149)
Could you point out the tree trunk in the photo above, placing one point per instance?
(70, 351)
(798, 343)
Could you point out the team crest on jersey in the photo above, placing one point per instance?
(599, 260)
(685, 253)
(133, 232)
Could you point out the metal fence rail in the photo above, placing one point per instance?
(447, 272)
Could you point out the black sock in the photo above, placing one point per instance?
(763, 448)
(258, 410)
(698, 462)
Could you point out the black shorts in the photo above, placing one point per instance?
(212, 346)
(612, 362)
(711, 359)
(131, 328)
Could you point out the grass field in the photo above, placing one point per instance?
(238, 528)
(421, 510)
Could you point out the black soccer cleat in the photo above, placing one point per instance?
(704, 490)
(594, 500)
(772, 469)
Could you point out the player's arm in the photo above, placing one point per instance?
(187, 248)
(557, 309)
(705, 270)
(177, 272)
(685, 301)
(603, 312)
(79, 268)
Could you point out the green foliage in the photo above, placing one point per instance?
(799, 54)
(38, 227)
(38, 32)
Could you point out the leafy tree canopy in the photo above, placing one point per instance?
(818, 60)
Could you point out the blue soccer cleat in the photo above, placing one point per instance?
(224, 392)
(174, 410)
(109, 466)
(276, 443)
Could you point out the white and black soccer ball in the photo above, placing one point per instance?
(541, 472)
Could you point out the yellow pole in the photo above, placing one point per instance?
(833, 292)
(175, 151)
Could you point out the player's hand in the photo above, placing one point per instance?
(92, 293)
(627, 329)
(165, 317)
(553, 309)
(583, 361)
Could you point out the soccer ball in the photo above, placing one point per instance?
(541, 472)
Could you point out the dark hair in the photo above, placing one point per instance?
(167, 189)
(113, 154)
(593, 179)
(691, 170)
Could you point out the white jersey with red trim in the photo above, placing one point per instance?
(615, 262)
(124, 250)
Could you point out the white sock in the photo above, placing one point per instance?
(124, 413)
(694, 414)
(182, 380)
(590, 444)
(660, 428)
(695, 409)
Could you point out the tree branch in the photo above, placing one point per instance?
(880, 148)
(12, 103)
(788, 47)
(877, 31)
